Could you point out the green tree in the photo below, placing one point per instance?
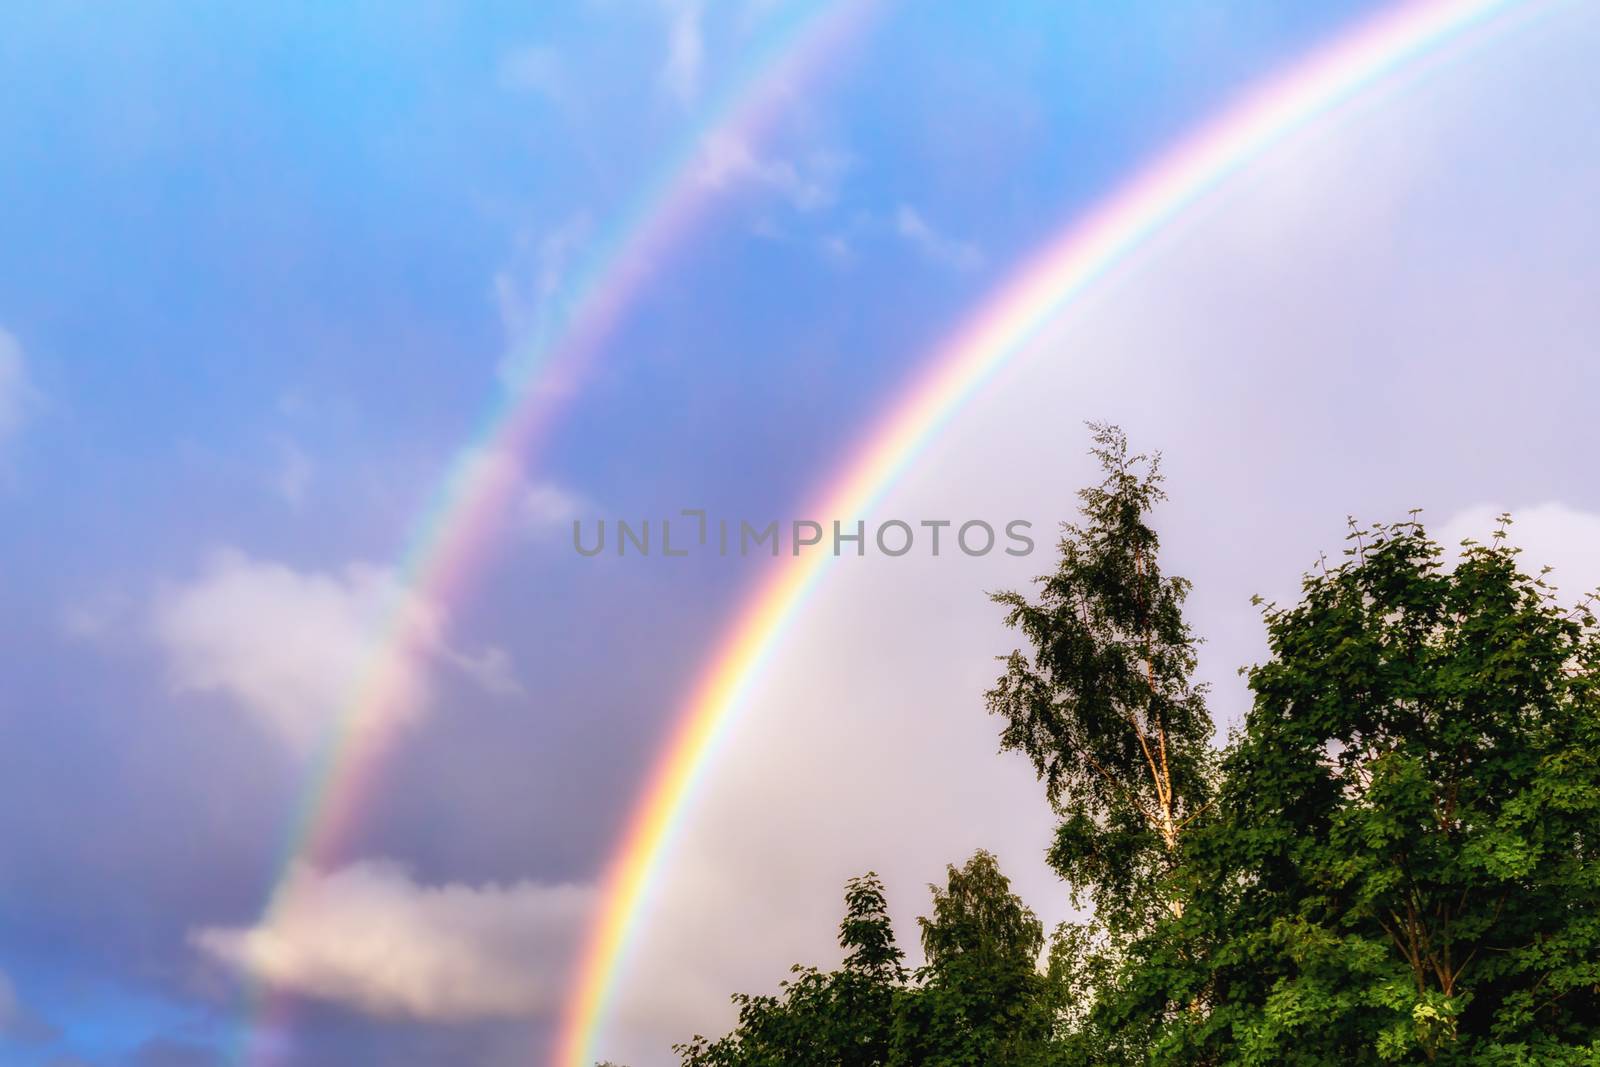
(842, 1018)
(1395, 860)
(1406, 862)
(1104, 705)
(981, 997)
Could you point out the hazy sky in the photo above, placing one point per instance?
(260, 273)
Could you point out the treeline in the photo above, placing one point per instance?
(1395, 859)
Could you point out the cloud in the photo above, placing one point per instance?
(547, 504)
(946, 251)
(370, 937)
(491, 669)
(808, 185)
(293, 649)
(16, 395)
(685, 49)
(538, 506)
(1552, 534)
(528, 294)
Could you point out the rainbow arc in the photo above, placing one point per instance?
(1041, 289)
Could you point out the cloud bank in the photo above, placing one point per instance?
(296, 650)
(370, 937)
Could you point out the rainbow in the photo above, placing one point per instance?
(1049, 282)
(449, 538)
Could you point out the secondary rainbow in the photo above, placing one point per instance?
(1046, 284)
(448, 539)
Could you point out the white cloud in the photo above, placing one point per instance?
(528, 295)
(537, 506)
(1550, 535)
(723, 158)
(294, 650)
(946, 251)
(524, 288)
(16, 395)
(685, 49)
(809, 184)
(491, 669)
(370, 937)
(548, 504)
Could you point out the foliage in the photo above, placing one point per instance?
(1104, 706)
(979, 999)
(1406, 862)
(841, 1018)
(1395, 859)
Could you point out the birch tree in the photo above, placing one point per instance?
(1104, 702)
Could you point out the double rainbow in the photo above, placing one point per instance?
(1049, 282)
(448, 540)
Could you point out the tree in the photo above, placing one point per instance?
(981, 997)
(1104, 706)
(842, 1018)
(1396, 859)
(1407, 862)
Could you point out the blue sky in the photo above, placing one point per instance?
(260, 267)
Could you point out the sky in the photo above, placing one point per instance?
(266, 269)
